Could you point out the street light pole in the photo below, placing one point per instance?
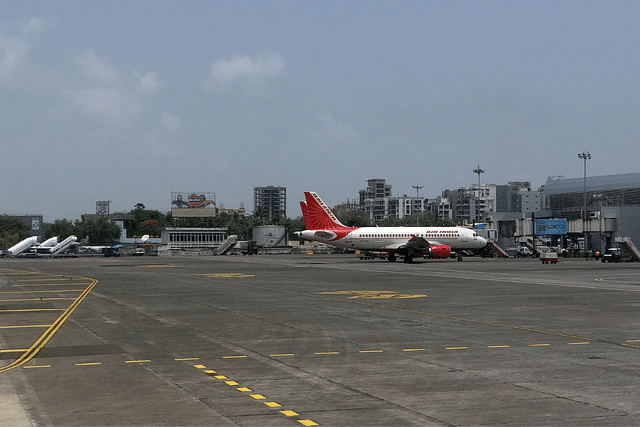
(585, 155)
(417, 187)
(477, 171)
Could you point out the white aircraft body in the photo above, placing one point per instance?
(409, 242)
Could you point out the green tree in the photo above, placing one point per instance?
(100, 231)
(62, 228)
(12, 231)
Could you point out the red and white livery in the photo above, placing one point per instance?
(409, 242)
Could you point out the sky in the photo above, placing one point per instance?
(129, 101)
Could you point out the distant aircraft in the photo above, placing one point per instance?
(409, 242)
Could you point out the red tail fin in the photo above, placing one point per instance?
(316, 215)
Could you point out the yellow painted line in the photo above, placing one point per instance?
(289, 413)
(321, 353)
(209, 371)
(630, 345)
(244, 389)
(220, 377)
(35, 299)
(36, 366)
(14, 350)
(414, 349)
(257, 396)
(370, 351)
(498, 346)
(28, 310)
(24, 326)
(234, 357)
(272, 404)
(579, 343)
(231, 383)
(199, 366)
(138, 361)
(43, 292)
(307, 423)
(51, 329)
(457, 348)
(45, 284)
(632, 340)
(281, 355)
(186, 359)
(540, 345)
(89, 364)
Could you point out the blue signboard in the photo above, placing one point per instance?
(551, 226)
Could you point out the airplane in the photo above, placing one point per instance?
(321, 225)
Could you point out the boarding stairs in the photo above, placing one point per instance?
(497, 249)
(633, 249)
(227, 245)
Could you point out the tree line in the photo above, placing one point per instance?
(101, 231)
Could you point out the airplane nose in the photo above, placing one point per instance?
(483, 241)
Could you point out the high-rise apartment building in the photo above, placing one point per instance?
(270, 201)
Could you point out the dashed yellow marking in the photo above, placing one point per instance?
(138, 361)
(322, 353)
(498, 346)
(89, 364)
(370, 351)
(238, 356)
(225, 275)
(186, 359)
(457, 348)
(289, 413)
(156, 266)
(540, 345)
(199, 366)
(307, 423)
(579, 343)
(209, 371)
(281, 355)
(257, 396)
(244, 389)
(414, 349)
(36, 366)
(220, 377)
(632, 340)
(231, 383)
(272, 404)
(374, 294)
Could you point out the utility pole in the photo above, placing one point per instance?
(417, 187)
(585, 155)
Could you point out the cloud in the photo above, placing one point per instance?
(336, 132)
(96, 69)
(107, 94)
(249, 72)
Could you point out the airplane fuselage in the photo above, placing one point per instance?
(390, 238)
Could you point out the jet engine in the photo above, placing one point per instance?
(439, 251)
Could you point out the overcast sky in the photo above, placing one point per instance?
(130, 100)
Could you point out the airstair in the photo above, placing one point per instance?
(635, 253)
(497, 249)
(227, 245)
(63, 246)
(22, 246)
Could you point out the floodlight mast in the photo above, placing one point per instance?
(585, 155)
(417, 187)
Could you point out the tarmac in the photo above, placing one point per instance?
(290, 340)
